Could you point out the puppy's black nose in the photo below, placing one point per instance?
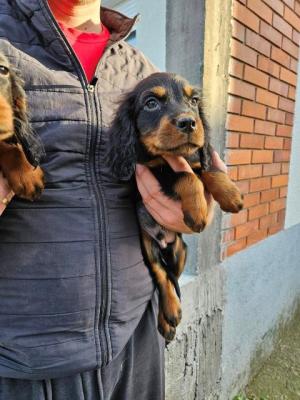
(186, 124)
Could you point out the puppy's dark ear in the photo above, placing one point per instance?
(206, 151)
(122, 141)
(29, 141)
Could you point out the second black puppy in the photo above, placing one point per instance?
(163, 115)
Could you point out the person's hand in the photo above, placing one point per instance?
(6, 194)
(165, 211)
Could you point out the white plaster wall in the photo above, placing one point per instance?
(293, 198)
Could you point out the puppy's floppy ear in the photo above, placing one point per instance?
(29, 141)
(122, 141)
(206, 151)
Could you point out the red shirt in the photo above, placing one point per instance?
(88, 47)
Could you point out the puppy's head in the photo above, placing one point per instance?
(163, 115)
(14, 121)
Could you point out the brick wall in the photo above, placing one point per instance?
(262, 83)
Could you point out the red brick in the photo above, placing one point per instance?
(261, 10)
(276, 5)
(252, 109)
(262, 156)
(238, 31)
(292, 18)
(258, 43)
(245, 16)
(283, 192)
(269, 195)
(239, 123)
(234, 105)
(232, 139)
(284, 130)
(277, 205)
(285, 168)
(259, 184)
(292, 93)
(265, 97)
(265, 127)
(256, 237)
(286, 105)
(294, 64)
(232, 173)
(243, 53)
(281, 217)
(252, 141)
(236, 68)
(296, 37)
(290, 47)
(271, 169)
(289, 119)
(280, 56)
(243, 186)
(270, 33)
(276, 115)
(246, 229)
(238, 157)
(266, 65)
(240, 218)
(297, 8)
(281, 25)
(249, 171)
(288, 76)
(242, 89)
(287, 144)
(235, 247)
(258, 211)
(267, 221)
(274, 142)
(281, 155)
(279, 180)
(251, 199)
(290, 3)
(278, 87)
(228, 236)
(275, 229)
(255, 76)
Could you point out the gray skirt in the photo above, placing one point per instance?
(137, 373)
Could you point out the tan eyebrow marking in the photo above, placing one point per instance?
(159, 91)
(188, 90)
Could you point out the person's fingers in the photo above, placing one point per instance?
(217, 162)
(178, 164)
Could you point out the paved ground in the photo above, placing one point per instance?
(279, 379)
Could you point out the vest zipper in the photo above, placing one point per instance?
(101, 320)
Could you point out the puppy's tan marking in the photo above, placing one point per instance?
(159, 91)
(188, 90)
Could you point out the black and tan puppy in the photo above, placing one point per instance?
(20, 149)
(163, 115)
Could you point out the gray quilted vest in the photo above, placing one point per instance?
(73, 284)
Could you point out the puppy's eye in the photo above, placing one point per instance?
(4, 70)
(194, 101)
(151, 105)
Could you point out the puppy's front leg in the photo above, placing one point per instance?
(190, 190)
(25, 180)
(223, 190)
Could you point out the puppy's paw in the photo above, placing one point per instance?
(196, 221)
(27, 183)
(166, 330)
(172, 310)
(232, 201)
